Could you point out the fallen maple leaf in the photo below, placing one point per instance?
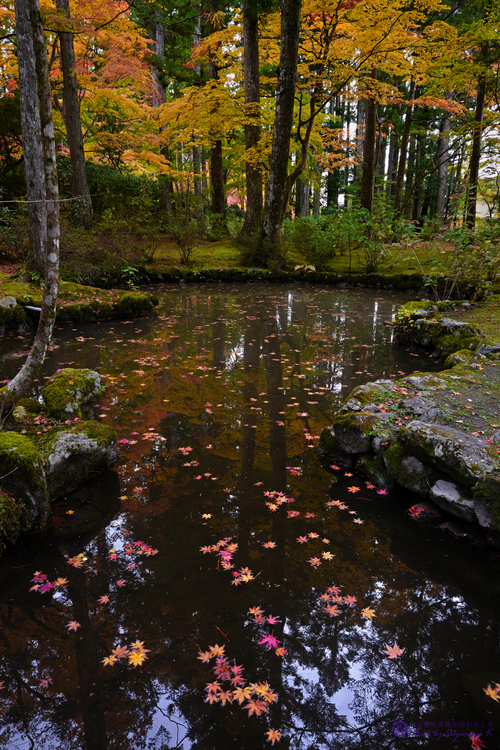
(269, 545)
(476, 740)
(269, 641)
(332, 609)
(256, 707)
(314, 561)
(121, 582)
(353, 489)
(493, 692)
(393, 651)
(137, 657)
(108, 661)
(273, 736)
(73, 625)
(120, 652)
(368, 613)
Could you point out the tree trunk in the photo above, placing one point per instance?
(197, 148)
(316, 207)
(403, 151)
(82, 211)
(217, 180)
(283, 120)
(253, 171)
(442, 159)
(159, 98)
(392, 163)
(32, 39)
(360, 137)
(32, 135)
(476, 148)
(368, 176)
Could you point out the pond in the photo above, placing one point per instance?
(221, 586)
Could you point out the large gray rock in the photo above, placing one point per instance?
(22, 474)
(7, 302)
(367, 397)
(463, 457)
(407, 470)
(454, 499)
(74, 454)
(69, 390)
(354, 431)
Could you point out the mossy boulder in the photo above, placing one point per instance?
(462, 456)
(329, 448)
(354, 431)
(407, 470)
(486, 494)
(131, 304)
(73, 454)
(13, 519)
(69, 390)
(12, 315)
(22, 474)
(453, 498)
(373, 468)
(461, 358)
(367, 397)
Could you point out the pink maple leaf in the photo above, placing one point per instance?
(269, 642)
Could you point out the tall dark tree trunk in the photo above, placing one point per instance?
(316, 202)
(368, 176)
(71, 110)
(32, 135)
(476, 147)
(32, 40)
(217, 179)
(410, 173)
(360, 138)
(276, 187)
(442, 159)
(159, 98)
(392, 163)
(253, 171)
(197, 147)
(403, 150)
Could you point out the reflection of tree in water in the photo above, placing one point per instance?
(336, 689)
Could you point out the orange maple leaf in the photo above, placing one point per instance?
(273, 736)
(368, 613)
(256, 707)
(73, 625)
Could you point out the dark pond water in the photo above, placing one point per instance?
(226, 588)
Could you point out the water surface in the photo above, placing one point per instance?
(215, 553)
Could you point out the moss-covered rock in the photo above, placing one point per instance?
(131, 304)
(69, 389)
(462, 456)
(354, 431)
(13, 520)
(373, 468)
(22, 474)
(486, 494)
(407, 470)
(461, 358)
(329, 448)
(73, 454)
(367, 397)
(12, 315)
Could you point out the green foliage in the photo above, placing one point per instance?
(183, 226)
(312, 239)
(120, 191)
